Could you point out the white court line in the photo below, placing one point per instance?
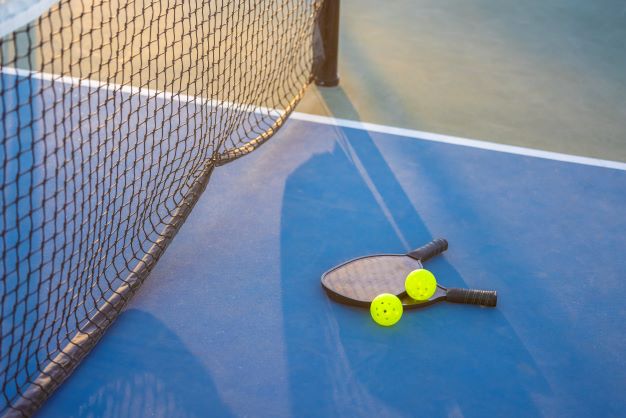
(328, 120)
(465, 142)
(140, 91)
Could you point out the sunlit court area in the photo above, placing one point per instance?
(312, 208)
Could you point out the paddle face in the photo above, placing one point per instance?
(359, 281)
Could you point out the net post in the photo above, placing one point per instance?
(325, 71)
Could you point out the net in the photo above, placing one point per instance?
(114, 114)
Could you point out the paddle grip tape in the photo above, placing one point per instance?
(430, 250)
(472, 297)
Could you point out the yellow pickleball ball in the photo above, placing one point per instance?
(386, 309)
(420, 284)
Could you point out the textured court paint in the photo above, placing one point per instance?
(233, 320)
(447, 139)
(427, 136)
(126, 89)
(542, 74)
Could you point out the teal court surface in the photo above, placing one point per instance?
(233, 320)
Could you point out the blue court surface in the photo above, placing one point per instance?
(233, 320)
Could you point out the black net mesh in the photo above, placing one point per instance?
(114, 114)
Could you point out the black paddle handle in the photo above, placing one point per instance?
(473, 297)
(428, 251)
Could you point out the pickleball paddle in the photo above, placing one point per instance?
(358, 282)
